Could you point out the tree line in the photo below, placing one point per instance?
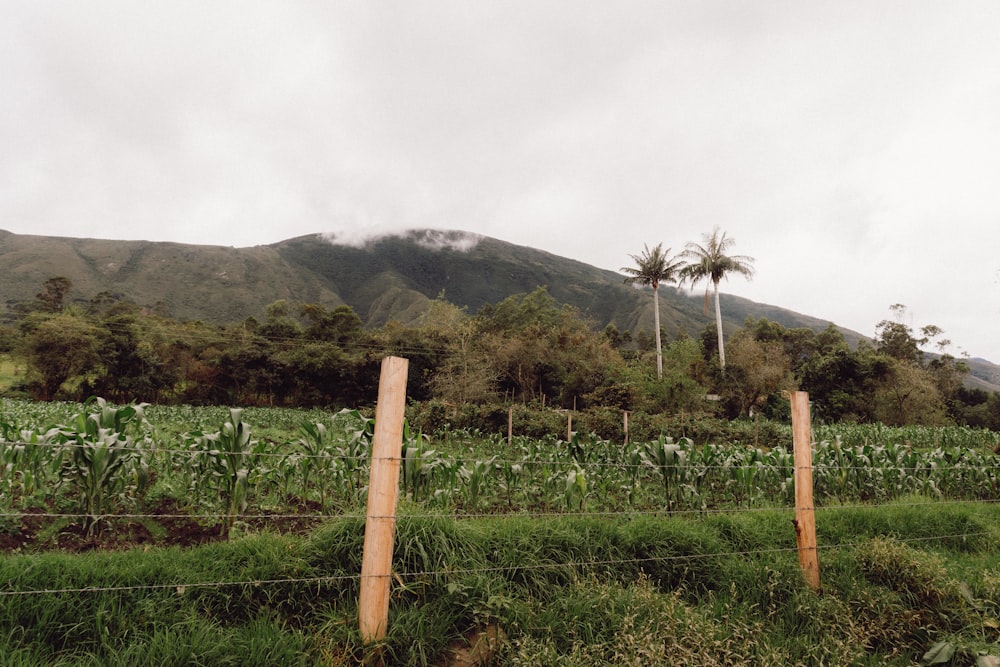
(526, 349)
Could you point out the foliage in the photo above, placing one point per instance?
(651, 268)
(224, 461)
(100, 456)
(527, 349)
(710, 262)
(61, 352)
(657, 570)
(560, 590)
(105, 459)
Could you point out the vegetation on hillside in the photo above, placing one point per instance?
(388, 278)
(668, 542)
(526, 349)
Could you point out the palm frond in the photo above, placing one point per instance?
(653, 267)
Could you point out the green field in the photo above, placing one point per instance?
(570, 552)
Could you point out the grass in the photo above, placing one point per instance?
(720, 589)
(11, 373)
(629, 586)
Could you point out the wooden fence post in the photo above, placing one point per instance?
(805, 518)
(510, 425)
(383, 492)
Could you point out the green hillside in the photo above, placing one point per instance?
(388, 278)
(211, 283)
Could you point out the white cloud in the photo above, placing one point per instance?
(851, 148)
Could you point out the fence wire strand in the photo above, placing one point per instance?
(773, 466)
(181, 587)
(658, 512)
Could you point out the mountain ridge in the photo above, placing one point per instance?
(383, 278)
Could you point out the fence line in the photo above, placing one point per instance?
(783, 465)
(663, 512)
(182, 586)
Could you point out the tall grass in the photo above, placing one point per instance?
(723, 589)
(659, 577)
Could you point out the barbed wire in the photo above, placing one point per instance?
(460, 515)
(181, 587)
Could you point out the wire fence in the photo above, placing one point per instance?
(561, 459)
(526, 514)
(181, 587)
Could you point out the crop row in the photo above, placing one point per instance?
(105, 460)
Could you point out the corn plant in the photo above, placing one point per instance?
(745, 466)
(452, 484)
(668, 458)
(511, 474)
(779, 469)
(356, 432)
(28, 461)
(420, 465)
(225, 460)
(634, 467)
(318, 457)
(576, 487)
(576, 448)
(477, 475)
(101, 456)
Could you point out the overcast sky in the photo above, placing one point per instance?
(852, 148)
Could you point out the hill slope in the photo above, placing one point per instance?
(211, 283)
(472, 271)
(386, 278)
(390, 277)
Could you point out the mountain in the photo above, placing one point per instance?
(191, 282)
(394, 274)
(983, 375)
(391, 277)
(386, 278)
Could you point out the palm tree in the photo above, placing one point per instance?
(710, 262)
(651, 268)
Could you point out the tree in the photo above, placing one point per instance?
(8, 339)
(536, 350)
(799, 343)
(709, 261)
(682, 387)
(907, 395)
(131, 365)
(896, 340)
(280, 327)
(61, 351)
(651, 268)
(759, 369)
(463, 373)
(340, 325)
(50, 299)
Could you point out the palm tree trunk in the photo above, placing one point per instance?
(656, 325)
(718, 329)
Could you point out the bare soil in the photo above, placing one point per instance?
(166, 524)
